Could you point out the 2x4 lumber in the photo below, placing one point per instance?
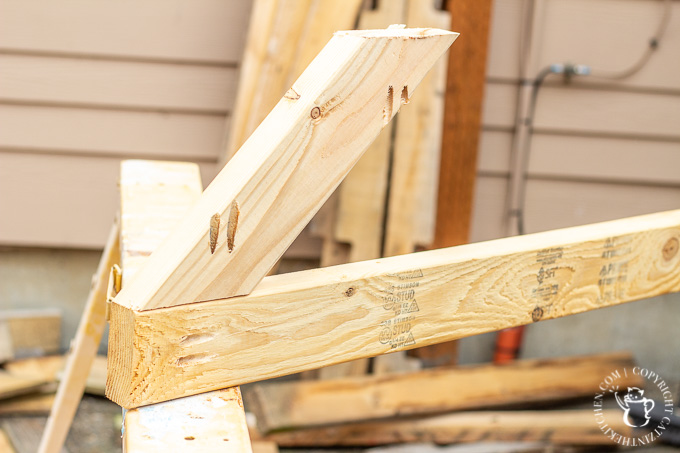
(566, 427)
(202, 423)
(412, 203)
(414, 173)
(362, 196)
(351, 221)
(462, 120)
(11, 385)
(33, 404)
(283, 38)
(52, 369)
(32, 332)
(302, 404)
(305, 320)
(154, 196)
(5, 443)
(464, 97)
(281, 176)
(82, 353)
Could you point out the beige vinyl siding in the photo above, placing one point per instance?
(601, 149)
(84, 84)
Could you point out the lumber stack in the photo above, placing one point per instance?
(442, 406)
(27, 386)
(25, 333)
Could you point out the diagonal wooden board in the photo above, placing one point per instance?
(270, 189)
(283, 38)
(305, 320)
(154, 196)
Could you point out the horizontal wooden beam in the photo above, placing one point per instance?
(305, 320)
(284, 405)
(258, 204)
(576, 427)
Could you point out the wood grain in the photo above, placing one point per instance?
(452, 199)
(154, 197)
(414, 174)
(362, 196)
(288, 168)
(286, 405)
(284, 36)
(210, 422)
(465, 88)
(305, 320)
(576, 427)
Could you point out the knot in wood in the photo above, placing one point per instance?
(316, 112)
(670, 249)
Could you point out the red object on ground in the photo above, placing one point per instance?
(508, 344)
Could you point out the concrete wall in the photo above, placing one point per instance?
(48, 278)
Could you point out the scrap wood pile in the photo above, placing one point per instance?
(202, 340)
(31, 368)
(449, 405)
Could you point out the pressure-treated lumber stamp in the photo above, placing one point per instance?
(288, 167)
(305, 320)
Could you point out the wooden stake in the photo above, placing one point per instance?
(305, 320)
(82, 354)
(289, 166)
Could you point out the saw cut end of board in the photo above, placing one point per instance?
(287, 169)
(397, 32)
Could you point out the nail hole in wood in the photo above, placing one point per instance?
(404, 95)
(387, 110)
(234, 213)
(214, 231)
